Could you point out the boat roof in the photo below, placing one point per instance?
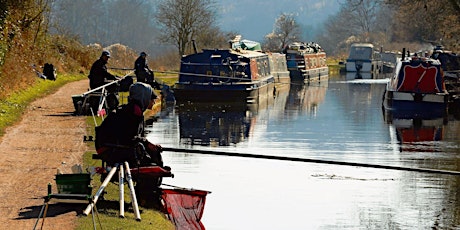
(362, 45)
(240, 52)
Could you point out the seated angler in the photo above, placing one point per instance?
(119, 134)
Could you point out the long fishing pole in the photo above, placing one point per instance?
(307, 160)
(107, 84)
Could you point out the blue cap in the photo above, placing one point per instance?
(105, 53)
(143, 54)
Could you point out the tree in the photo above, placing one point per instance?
(361, 16)
(357, 21)
(181, 21)
(436, 22)
(285, 31)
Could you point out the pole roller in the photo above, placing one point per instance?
(129, 179)
(99, 192)
(121, 186)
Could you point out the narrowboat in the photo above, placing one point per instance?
(278, 68)
(224, 75)
(306, 62)
(388, 61)
(363, 58)
(417, 88)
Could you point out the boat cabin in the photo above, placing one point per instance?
(224, 66)
(419, 75)
(363, 58)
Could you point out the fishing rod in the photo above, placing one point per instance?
(120, 68)
(307, 160)
(106, 85)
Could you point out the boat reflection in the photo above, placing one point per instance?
(306, 98)
(358, 75)
(210, 124)
(416, 134)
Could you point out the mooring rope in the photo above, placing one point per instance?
(247, 155)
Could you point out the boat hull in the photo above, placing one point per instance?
(306, 62)
(248, 93)
(363, 66)
(316, 74)
(409, 104)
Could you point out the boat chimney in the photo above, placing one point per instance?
(403, 54)
(194, 46)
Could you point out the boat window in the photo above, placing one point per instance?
(361, 53)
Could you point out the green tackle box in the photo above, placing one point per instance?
(76, 183)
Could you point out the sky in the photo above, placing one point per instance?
(254, 19)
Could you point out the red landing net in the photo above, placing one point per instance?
(185, 207)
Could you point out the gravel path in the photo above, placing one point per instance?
(47, 138)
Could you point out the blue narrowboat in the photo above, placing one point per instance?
(224, 75)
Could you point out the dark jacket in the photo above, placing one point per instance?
(141, 65)
(115, 137)
(99, 74)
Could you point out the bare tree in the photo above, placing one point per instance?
(436, 22)
(336, 35)
(285, 31)
(182, 20)
(362, 16)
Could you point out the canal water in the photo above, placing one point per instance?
(340, 119)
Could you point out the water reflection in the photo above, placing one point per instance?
(357, 75)
(215, 124)
(416, 133)
(306, 98)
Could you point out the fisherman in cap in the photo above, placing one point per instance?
(98, 75)
(142, 70)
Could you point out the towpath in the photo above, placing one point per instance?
(47, 138)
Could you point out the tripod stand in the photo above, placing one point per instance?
(122, 172)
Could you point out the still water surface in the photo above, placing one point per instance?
(341, 120)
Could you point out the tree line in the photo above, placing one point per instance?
(390, 24)
(33, 30)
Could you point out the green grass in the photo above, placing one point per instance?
(108, 215)
(169, 80)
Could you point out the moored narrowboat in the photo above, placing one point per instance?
(306, 62)
(417, 88)
(224, 75)
(363, 58)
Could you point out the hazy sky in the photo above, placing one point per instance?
(255, 19)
